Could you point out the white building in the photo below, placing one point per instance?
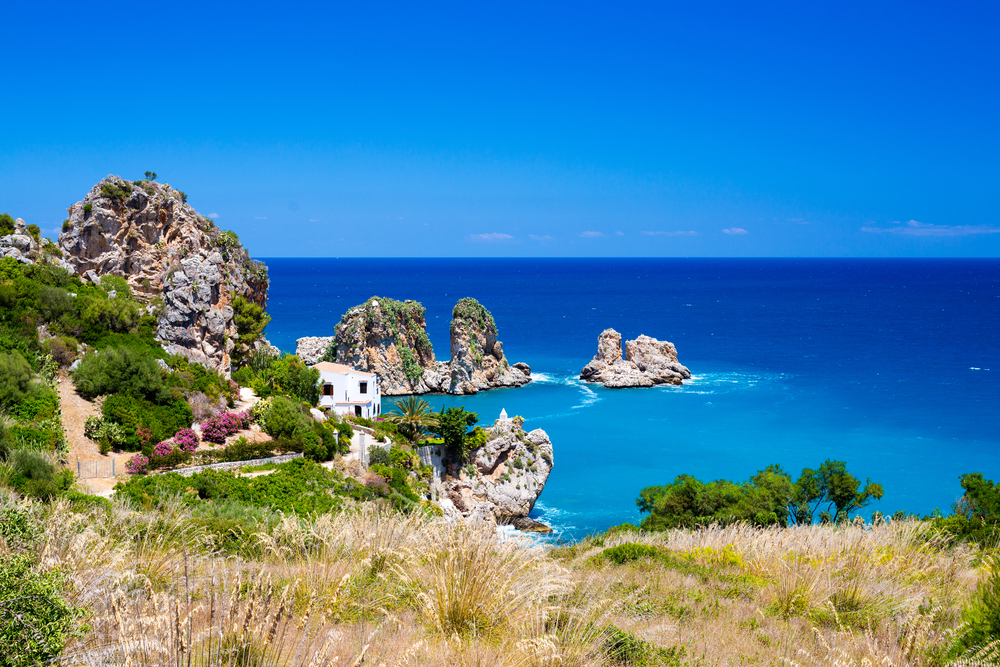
(347, 391)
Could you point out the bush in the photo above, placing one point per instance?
(39, 403)
(981, 618)
(6, 224)
(36, 476)
(223, 425)
(118, 370)
(15, 376)
(378, 456)
(628, 552)
(62, 349)
(34, 616)
(145, 423)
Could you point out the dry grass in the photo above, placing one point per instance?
(374, 587)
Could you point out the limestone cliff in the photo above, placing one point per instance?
(477, 359)
(389, 338)
(503, 480)
(146, 233)
(647, 362)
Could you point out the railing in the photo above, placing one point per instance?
(92, 469)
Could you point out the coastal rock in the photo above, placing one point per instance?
(477, 359)
(311, 349)
(503, 480)
(389, 338)
(147, 234)
(647, 362)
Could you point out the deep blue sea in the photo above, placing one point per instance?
(892, 365)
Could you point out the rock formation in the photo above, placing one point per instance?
(30, 248)
(389, 338)
(144, 232)
(647, 362)
(477, 359)
(503, 480)
(311, 349)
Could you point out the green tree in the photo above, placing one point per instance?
(453, 426)
(150, 175)
(250, 320)
(413, 416)
(6, 224)
(833, 488)
(118, 370)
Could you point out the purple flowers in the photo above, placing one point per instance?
(223, 425)
(138, 464)
(186, 440)
(163, 449)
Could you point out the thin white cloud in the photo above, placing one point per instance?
(313, 220)
(213, 216)
(619, 233)
(591, 235)
(801, 221)
(735, 230)
(917, 228)
(491, 236)
(260, 217)
(543, 239)
(669, 233)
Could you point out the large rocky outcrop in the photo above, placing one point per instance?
(477, 359)
(389, 338)
(144, 232)
(25, 244)
(647, 362)
(503, 480)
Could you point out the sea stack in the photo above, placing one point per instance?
(648, 362)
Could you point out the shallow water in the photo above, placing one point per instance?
(890, 365)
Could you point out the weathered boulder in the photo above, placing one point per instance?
(477, 359)
(502, 481)
(647, 362)
(311, 349)
(24, 247)
(146, 233)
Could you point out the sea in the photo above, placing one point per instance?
(891, 365)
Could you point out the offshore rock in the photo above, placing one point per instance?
(477, 359)
(503, 480)
(176, 260)
(311, 349)
(647, 362)
(389, 338)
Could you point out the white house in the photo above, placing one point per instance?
(348, 391)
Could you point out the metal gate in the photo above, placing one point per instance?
(90, 469)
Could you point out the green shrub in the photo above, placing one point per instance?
(35, 231)
(40, 402)
(981, 618)
(624, 648)
(118, 371)
(36, 476)
(6, 224)
(133, 414)
(34, 615)
(15, 376)
(628, 552)
(87, 209)
(379, 456)
(67, 225)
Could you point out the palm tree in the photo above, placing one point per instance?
(412, 416)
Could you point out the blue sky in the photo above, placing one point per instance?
(521, 129)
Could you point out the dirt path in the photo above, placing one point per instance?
(75, 410)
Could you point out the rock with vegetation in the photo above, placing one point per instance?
(207, 293)
(647, 362)
(25, 244)
(388, 338)
(477, 358)
(501, 479)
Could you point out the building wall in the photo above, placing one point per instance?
(346, 389)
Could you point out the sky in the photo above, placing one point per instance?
(520, 129)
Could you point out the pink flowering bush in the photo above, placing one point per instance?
(164, 448)
(186, 440)
(223, 425)
(137, 465)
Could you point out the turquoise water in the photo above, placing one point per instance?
(890, 365)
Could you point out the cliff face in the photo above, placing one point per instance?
(147, 234)
(27, 248)
(389, 338)
(647, 362)
(504, 479)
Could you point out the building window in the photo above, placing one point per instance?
(363, 388)
(328, 390)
